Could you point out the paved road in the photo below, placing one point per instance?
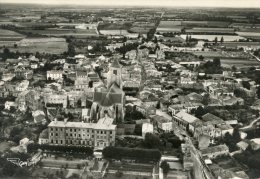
(202, 170)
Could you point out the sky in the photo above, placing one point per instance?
(166, 3)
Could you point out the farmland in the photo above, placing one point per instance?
(211, 31)
(113, 32)
(253, 35)
(229, 62)
(42, 45)
(55, 32)
(228, 38)
(219, 24)
(8, 35)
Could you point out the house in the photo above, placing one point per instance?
(213, 152)
(7, 76)
(44, 137)
(39, 117)
(242, 145)
(162, 123)
(56, 99)
(10, 104)
(22, 73)
(187, 121)
(22, 86)
(218, 123)
(146, 110)
(217, 91)
(147, 128)
(255, 143)
(54, 75)
(85, 115)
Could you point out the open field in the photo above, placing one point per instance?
(114, 32)
(63, 32)
(228, 38)
(253, 35)
(211, 30)
(229, 62)
(41, 45)
(8, 35)
(167, 29)
(169, 26)
(205, 23)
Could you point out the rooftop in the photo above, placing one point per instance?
(187, 117)
(104, 123)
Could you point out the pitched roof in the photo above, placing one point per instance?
(107, 99)
(187, 117)
(115, 64)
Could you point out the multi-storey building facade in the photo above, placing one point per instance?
(54, 75)
(97, 135)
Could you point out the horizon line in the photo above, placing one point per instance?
(126, 5)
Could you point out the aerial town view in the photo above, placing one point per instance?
(137, 89)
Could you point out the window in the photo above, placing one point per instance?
(115, 72)
(79, 135)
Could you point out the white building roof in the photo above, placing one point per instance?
(104, 123)
(147, 128)
(187, 117)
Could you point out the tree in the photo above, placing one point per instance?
(165, 167)
(216, 62)
(222, 40)
(151, 141)
(71, 50)
(199, 112)
(216, 40)
(206, 99)
(234, 68)
(258, 92)
(246, 85)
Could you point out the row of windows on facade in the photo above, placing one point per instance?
(83, 130)
(72, 142)
(79, 135)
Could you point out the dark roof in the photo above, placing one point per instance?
(114, 88)
(107, 99)
(212, 118)
(115, 64)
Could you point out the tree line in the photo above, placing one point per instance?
(131, 153)
(58, 148)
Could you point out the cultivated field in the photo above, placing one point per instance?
(228, 38)
(253, 35)
(8, 35)
(229, 62)
(211, 30)
(114, 32)
(64, 32)
(42, 45)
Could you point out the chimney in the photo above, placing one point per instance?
(55, 121)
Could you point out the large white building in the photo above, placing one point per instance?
(54, 75)
(98, 135)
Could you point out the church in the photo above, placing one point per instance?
(109, 100)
